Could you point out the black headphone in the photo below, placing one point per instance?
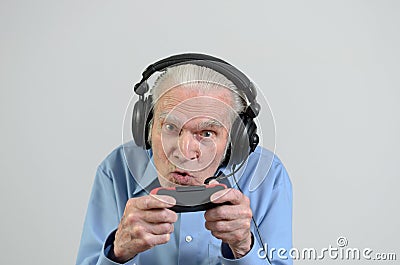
(244, 138)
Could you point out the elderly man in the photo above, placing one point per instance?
(188, 123)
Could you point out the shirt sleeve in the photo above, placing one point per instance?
(101, 219)
(104, 260)
(253, 257)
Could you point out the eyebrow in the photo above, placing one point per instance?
(202, 125)
(210, 124)
(169, 117)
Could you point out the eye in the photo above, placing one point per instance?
(170, 128)
(207, 134)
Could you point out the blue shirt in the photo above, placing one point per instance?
(129, 172)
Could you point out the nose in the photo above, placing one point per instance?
(189, 147)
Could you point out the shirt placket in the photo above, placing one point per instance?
(193, 239)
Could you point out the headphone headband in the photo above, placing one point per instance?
(239, 79)
(176, 59)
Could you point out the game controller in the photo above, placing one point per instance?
(191, 198)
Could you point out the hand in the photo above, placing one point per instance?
(231, 223)
(146, 223)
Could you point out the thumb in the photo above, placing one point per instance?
(213, 181)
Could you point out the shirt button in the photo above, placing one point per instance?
(188, 239)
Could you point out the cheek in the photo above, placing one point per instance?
(222, 144)
(158, 152)
(161, 148)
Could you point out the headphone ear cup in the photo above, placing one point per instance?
(141, 115)
(239, 146)
(244, 140)
(138, 122)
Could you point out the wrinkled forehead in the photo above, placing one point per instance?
(188, 104)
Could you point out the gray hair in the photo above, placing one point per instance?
(195, 76)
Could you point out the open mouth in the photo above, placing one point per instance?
(181, 177)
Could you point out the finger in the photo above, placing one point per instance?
(159, 216)
(161, 239)
(213, 181)
(227, 226)
(150, 240)
(161, 229)
(155, 202)
(228, 212)
(219, 213)
(236, 237)
(228, 195)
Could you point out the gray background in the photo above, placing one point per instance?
(330, 70)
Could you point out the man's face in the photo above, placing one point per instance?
(189, 134)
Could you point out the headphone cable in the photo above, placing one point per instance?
(252, 217)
